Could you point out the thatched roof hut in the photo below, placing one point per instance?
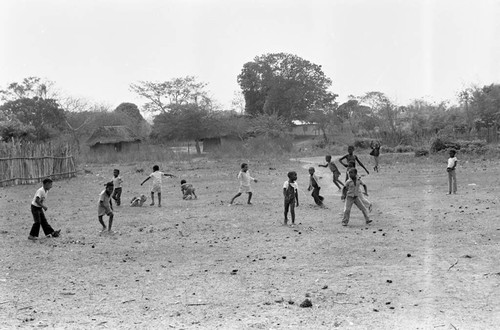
(114, 138)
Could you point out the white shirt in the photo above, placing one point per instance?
(117, 181)
(245, 178)
(293, 184)
(452, 162)
(42, 194)
(156, 176)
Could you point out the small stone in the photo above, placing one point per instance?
(306, 303)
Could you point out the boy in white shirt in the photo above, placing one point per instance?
(452, 175)
(156, 186)
(244, 178)
(117, 182)
(37, 208)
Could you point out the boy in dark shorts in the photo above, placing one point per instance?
(314, 186)
(335, 171)
(350, 157)
(290, 193)
(104, 207)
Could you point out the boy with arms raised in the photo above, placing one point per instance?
(156, 186)
(335, 171)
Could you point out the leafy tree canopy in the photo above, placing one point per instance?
(284, 85)
(44, 115)
(162, 96)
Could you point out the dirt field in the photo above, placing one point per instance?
(428, 261)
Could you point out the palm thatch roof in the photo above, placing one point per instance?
(111, 135)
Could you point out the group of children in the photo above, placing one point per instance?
(351, 193)
(112, 191)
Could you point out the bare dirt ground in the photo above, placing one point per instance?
(428, 261)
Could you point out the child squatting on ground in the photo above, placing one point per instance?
(117, 182)
(314, 186)
(352, 197)
(138, 201)
(37, 210)
(188, 191)
(452, 175)
(244, 179)
(335, 171)
(104, 207)
(351, 158)
(156, 186)
(291, 195)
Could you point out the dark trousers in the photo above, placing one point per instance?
(40, 220)
(117, 194)
(290, 205)
(317, 198)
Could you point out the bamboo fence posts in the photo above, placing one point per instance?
(27, 163)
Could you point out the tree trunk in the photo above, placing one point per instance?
(197, 145)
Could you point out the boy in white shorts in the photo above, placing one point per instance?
(156, 186)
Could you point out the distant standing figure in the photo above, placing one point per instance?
(353, 194)
(335, 171)
(156, 186)
(314, 186)
(351, 158)
(117, 182)
(291, 195)
(187, 190)
(452, 175)
(375, 153)
(244, 179)
(37, 210)
(104, 206)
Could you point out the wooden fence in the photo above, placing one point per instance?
(27, 163)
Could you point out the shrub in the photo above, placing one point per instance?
(363, 143)
(421, 152)
(404, 148)
(438, 144)
(386, 149)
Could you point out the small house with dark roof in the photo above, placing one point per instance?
(114, 139)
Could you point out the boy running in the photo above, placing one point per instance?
(314, 186)
(244, 178)
(335, 171)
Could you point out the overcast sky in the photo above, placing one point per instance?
(95, 49)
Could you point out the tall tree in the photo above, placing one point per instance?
(178, 91)
(284, 85)
(45, 115)
(486, 101)
(185, 122)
